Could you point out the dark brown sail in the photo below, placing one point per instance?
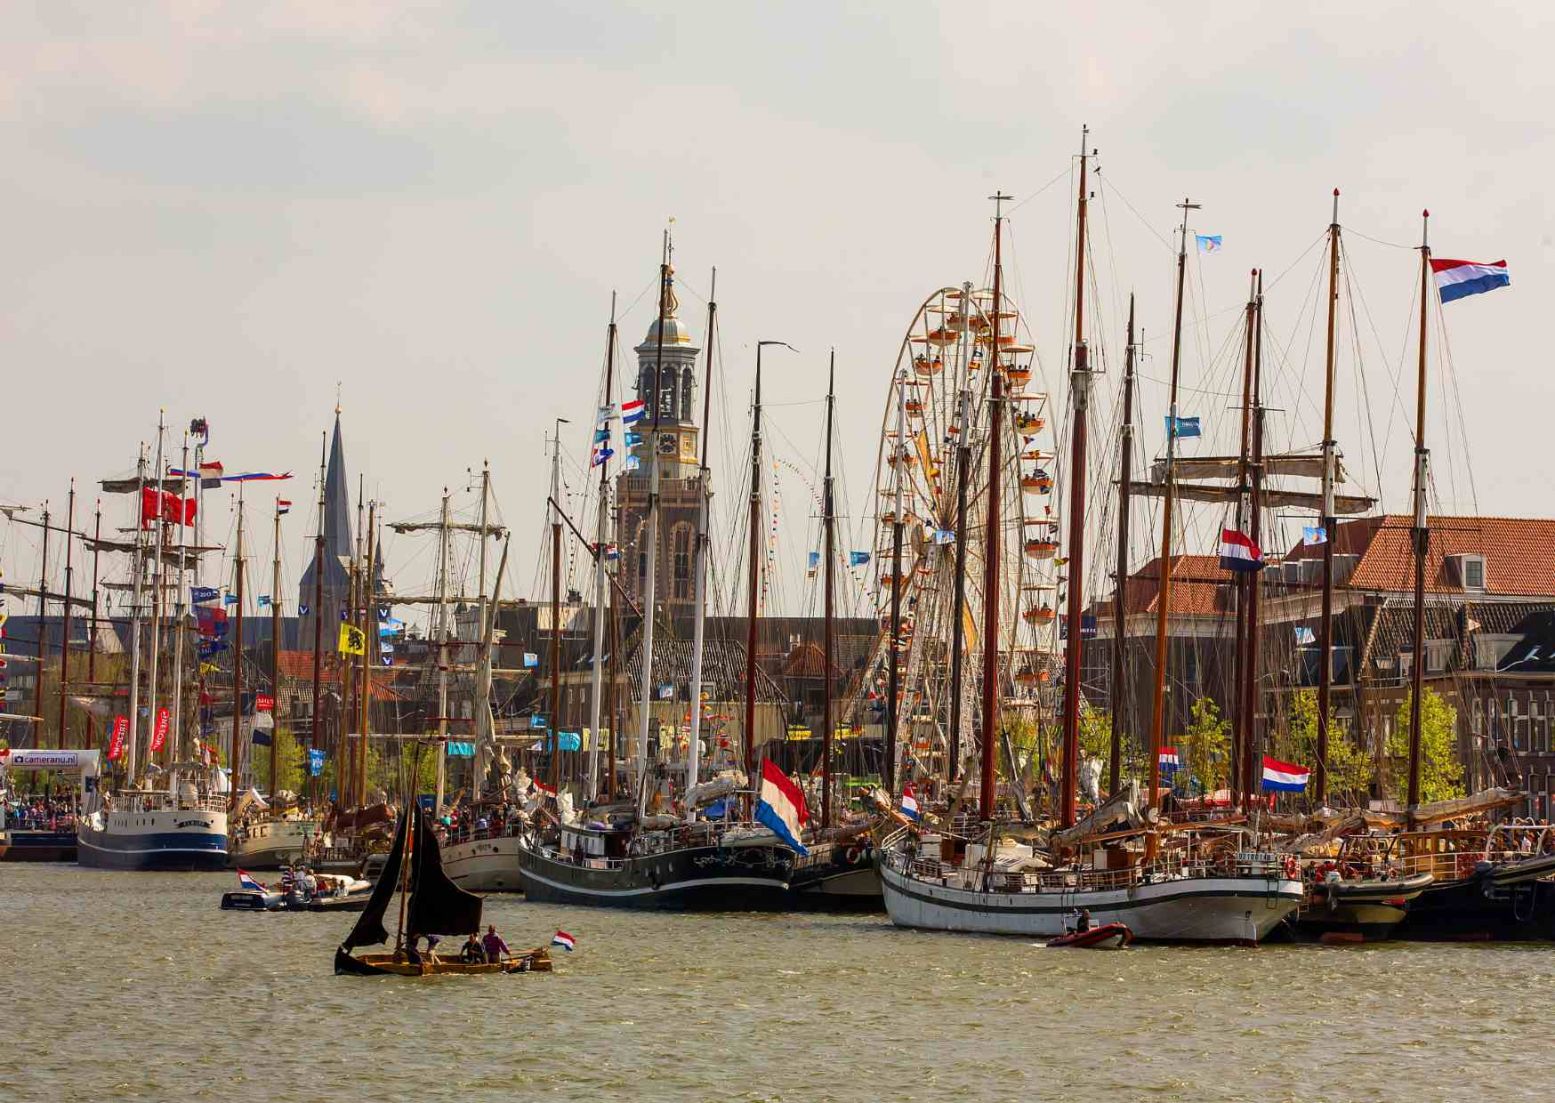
(369, 929)
(437, 905)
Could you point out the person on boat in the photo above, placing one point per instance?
(1083, 924)
(472, 952)
(494, 946)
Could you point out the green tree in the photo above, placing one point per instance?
(1206, 745)
(1441, 774)
(1349, 767)
(1096, 732)
(289, 769)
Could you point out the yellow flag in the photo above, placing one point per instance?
(353, 641)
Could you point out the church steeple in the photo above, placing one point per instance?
(676, 441)
(338, 547)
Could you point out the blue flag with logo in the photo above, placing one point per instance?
(1182, 427)
(315, 761)
(204, 593)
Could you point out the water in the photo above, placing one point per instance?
(134, 986)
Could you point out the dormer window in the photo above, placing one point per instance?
(1467, 571)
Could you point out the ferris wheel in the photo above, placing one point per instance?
(932, 473)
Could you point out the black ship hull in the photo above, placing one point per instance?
(837, 877)
(694, 878)
(1482, 909)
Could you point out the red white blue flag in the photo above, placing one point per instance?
(1238, 552)
(782, 807)
(1457, 279)
(1283, 777)
(564, 940)
(247, 882)
(632, 411)
(1168, 760)
(910, 807)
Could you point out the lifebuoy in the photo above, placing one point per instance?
(852, 855)
(1292, 868)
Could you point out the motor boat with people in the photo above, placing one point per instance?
(298, 891)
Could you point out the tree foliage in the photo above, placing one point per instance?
(1441, 774)
(1350, 769)
(1205, 745)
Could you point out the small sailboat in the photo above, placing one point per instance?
(431, 904)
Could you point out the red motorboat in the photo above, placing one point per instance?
(1109, 936)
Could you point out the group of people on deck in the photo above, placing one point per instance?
(476, 950)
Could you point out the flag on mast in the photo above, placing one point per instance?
(1458, 279)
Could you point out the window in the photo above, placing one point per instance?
(680, 562)
(1437, 652)
(1467, 571)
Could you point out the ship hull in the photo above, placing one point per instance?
(273, 844)
(484, 865)
(698, 878)
(1357, 911)
(165, 840)
(1478, 909)
(837, 877)
(37, 846)
(1228, 909)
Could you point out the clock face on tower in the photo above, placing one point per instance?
(668, 444)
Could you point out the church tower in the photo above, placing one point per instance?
(666, 374)
(337, 551)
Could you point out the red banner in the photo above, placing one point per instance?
(121, 728)
(159, 732)
(165, 504)
(263, 702)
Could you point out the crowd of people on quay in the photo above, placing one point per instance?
(39, 813)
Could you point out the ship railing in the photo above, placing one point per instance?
(1084, 880)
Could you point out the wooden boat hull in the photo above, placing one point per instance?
(696, 878)
(1112, 936)
(537, 960)
(272, 844)
(837, 877)
(1226, 909)
(484, 865)
(1357, 911)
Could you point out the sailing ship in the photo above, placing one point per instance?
(1122, 864)
(430, 904)
(170, 815)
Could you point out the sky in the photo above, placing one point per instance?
(251, 211)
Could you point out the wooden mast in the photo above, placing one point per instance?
(650, 576)
(555, 764)
(358, 763)
(1325, 634)
(958, 620)
(1163, 593)
(91, 647)
(829, 556)
(318, 616)
(443, 555)
(1244, 490)
(988, 789)
(601, 525)
(275, 655)
(1080, 397)
(64, 642)
(898, 528)
(753, 580)
(1119, 607)
(1255, 580)
(42, 633)
(237, 665)
(1422, 533)
(699, 563)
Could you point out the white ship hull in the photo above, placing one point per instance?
(1236, 909)
(272, 844)
(484, 865)
(175, 839)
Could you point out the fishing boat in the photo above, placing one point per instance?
(430, 904)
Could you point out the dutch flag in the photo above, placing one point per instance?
(1238, 553)
(247, 882)
(910, 804)
(1458, 279)
(782, 807)
(632, 412)
(1168, 760)
(1283, 777)
(565, 941)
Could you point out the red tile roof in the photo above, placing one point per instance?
(1519, 553)
(1199, 588)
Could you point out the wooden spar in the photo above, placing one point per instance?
(601, 523)
(555, 725)
(486, 613)
(828, 556)
(158, 529)
(1163, 596)
(988, 789)
(1250, 745)
(356, 598)
(316, 722)
(651, 575)
(1325, 634)
(699, 560)
(64, 643)
(237, 756)
(137, 561)
(442, 657)
(180, 628)
(43, 637)
(1422, 531)
(1239, 723)
(1119, 607)
(1080, 397)
(753, 581)
(958, 620)
(275, 655)
(91, 648)
(894, 648)
(612, 701)
(358, 767)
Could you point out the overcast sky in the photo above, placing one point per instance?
(230, 209)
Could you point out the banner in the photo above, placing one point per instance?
(263, 702)
(315, 761)
(204, 593)
(121, 728)
(159, 732)
(353, 641)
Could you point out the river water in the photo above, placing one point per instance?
(135, 986)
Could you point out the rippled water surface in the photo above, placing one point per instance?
(134, 986)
